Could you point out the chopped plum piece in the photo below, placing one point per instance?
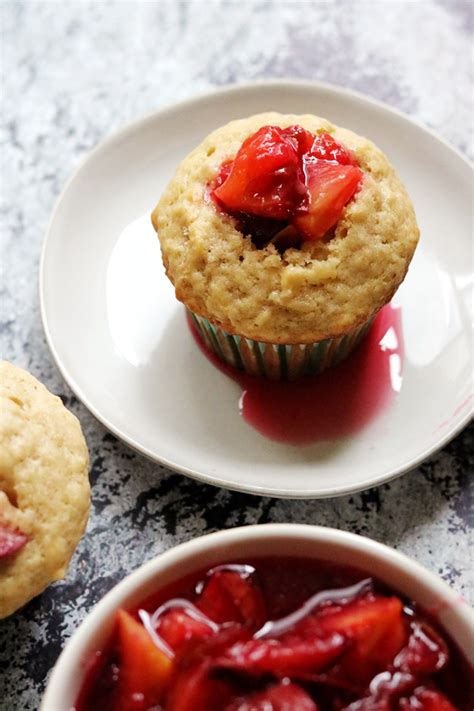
(195, 689)
(330, 186)
(145, 670)
(196, 686)
(425, 652)
(385, 689)
(376, 630)
(282, 657)
(230, 596)
(327, 148)
(11, 541)
(266, 178)
(177, 628)
(303, 140)
(426, 700)
(281, 697)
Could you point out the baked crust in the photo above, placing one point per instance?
(44, 485)
(321, 290)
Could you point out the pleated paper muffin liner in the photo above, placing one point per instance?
(277, 361)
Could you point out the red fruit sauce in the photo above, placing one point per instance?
(277, 634)
(338, 402)
(286, 185)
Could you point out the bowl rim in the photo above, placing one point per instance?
(67, 664)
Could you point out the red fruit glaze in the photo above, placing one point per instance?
(330, 187)
(266, 176)
(287, 175)
(326, 148)
(302, 140)
(330, 641)
(11, 541)
(353, 393)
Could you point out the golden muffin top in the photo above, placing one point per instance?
(323, 288)
(44, 485)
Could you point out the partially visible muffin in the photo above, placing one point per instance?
(44, 487)
(310, 291)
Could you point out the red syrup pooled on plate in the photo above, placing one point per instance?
(336, 403)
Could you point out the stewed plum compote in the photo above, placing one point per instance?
(277, 634)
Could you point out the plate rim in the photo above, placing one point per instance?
(136, 125)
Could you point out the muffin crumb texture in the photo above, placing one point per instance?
(44, 486)
(321, 290)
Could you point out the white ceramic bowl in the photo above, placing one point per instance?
(387, 565)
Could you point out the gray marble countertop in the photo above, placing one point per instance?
(73, 72)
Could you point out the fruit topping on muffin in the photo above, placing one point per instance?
(288, 183)
(11, 540)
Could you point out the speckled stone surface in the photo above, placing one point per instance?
(72, 72)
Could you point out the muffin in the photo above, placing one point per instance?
(44, 487)
(284, 236)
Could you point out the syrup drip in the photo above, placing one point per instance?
(335, 404)
(245, 571)
(157, 639)
(151, 622)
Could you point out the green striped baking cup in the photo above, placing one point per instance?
(277, 361)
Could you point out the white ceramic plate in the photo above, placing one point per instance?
(121, 341)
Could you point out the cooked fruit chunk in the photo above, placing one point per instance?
(327, 148)
(177, 627)
(144, 669)
(229, 596)
(426, 700)
(282, 657)
(266, 177)
(384, 691)
(330, 186)
(302, 140)
(281, 697)
(195, 689)
(376, 630)
(425, 652)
